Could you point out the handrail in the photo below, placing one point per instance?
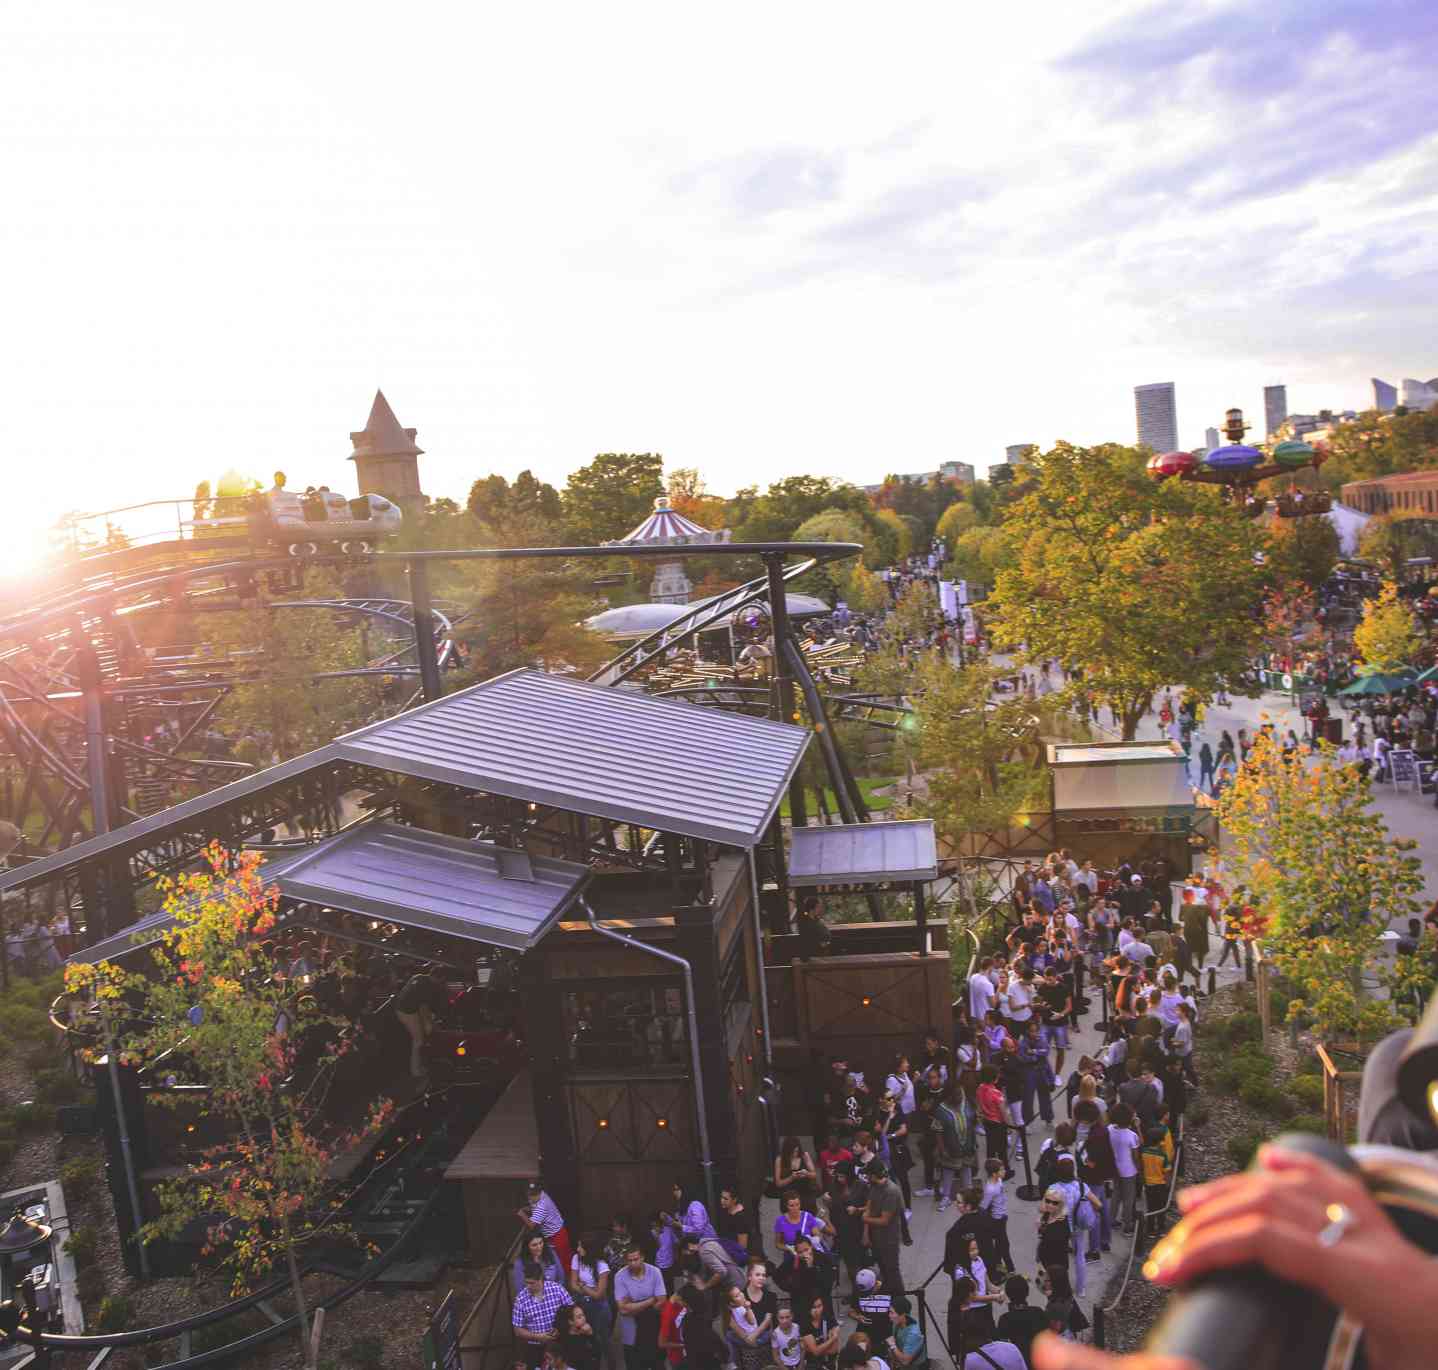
(500, 1275)
(1140, 1224)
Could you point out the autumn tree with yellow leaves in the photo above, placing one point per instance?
(1388, 638)
(1318, 863)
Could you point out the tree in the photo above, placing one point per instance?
(833, 525)
(689, 496)
(283, 708)
(222, 1005)
(493, 500)
(774, 515)
(977, 556)
(1131, 584)
(1392, 540)
(957, 519)
(1388, 638)
(1316, 860)
(1304, 550)
(525, 612)
(861, 589)
(1377, 444)
(903, 538)
(610, 496)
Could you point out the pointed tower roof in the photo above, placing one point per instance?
(382, 435)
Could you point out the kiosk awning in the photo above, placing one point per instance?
(864, 853)
(411, 877)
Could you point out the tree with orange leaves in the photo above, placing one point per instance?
(221, 1003)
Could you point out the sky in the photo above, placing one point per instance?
(764, 240)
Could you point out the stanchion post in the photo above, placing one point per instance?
(1028, 1191)
(1098, 1327)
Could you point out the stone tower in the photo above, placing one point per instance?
(386, 457)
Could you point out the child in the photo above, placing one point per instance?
(785, 1340)
(543, 1213)
(666, 1249)
(669, 1337)
(1153, 1160)
(995, 1204)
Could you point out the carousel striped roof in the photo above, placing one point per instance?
(666, 525)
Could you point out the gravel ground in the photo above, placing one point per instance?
(1205, 1158)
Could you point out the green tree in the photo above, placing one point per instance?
(1326, 878)
(977, 556)
(1388, 638)
(493, 500)
(1377, 444)
(862, 590)
(1392, 540)
(1304, 550)
(610, 496)
(1130, 583)
(281, 707)
(774, 515)
(525, 612)
(903, 536)
(266, 1191)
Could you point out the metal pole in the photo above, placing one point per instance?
(759, 953)
(95, 739)
(706, 1157)
(424, 649)
(783, 681)
(126, 1152)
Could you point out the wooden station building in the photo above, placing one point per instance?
(612, 849)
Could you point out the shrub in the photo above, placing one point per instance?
(56, 1086)
(80, 1176)
(1266, 1097)
(1242, 1145)
(366, 1351)
(1242, 1027)
(213, 1335)
(1310, 1065)
(116, 1314)
(81, 1246)
(1307, 1122)
(1307, 1090)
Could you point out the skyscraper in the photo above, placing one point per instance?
(1385, 396)
(1018, 453)
(1275, 408)
(1156, 409)
(1210, 439)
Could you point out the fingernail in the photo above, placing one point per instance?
(1162, 1260)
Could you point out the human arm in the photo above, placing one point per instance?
(1271, 1217)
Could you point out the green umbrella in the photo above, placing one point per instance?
(1377, 684)
(1430, 674)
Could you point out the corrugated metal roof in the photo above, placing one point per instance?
(408, 876)
(678, 767)
(428, 880)
(863, 853)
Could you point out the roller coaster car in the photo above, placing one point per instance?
(1294, 506)
(305, 523)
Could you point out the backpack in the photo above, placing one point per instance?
(1047, 1168)
(1084, 1215)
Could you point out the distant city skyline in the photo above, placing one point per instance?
(1275, 408)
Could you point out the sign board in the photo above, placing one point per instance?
(1403, 764)
(441, 1343)
(948, 601)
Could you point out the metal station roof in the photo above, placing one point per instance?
(411, 877)
(660, 763)
(864, 853)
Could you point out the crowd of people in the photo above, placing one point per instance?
(950, 1123)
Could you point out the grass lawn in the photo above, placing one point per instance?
(877, 802)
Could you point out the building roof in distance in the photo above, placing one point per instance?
(864, 853)
(1109, 753)
(614, 753)
(382, 435)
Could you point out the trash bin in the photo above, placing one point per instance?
(1333, 731)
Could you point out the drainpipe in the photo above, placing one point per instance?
(759, 953)
(706, 1159)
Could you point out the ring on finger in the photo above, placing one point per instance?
(1340, 1219)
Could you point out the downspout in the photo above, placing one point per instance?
(706, 1159)
(759, 953)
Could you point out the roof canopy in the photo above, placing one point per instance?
(676, 767)
(864, 853)
(666, 525)
(407, 876)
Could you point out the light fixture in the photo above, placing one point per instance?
(461, 1050)
(866, 1001)
(661, 1122)
(604, 1122)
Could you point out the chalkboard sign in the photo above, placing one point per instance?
(441, 1342)
(1404, 766)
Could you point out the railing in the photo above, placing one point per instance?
(486, 1337)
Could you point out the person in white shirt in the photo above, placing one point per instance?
(981, 991)
(1001, 1354)
(1125, 1143)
